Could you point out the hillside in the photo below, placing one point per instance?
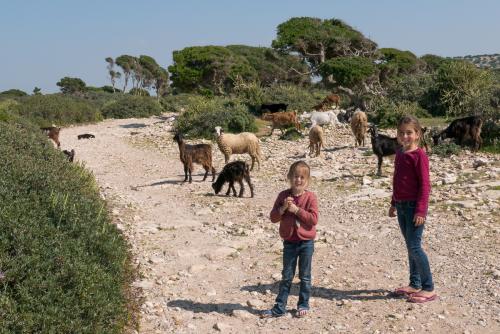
(483, 61)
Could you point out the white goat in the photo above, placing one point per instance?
(245, 142)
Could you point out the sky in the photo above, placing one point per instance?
(43, 41)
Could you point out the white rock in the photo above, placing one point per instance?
(242, 314)
(222, 327)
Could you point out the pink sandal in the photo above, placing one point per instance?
(404, 291)
(419, 298)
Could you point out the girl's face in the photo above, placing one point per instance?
(408, 137)
(299, 180)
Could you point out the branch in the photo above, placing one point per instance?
(306, 73)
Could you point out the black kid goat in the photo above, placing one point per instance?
(234, 171)
(198, 153)
(382, 146)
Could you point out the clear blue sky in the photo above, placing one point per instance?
(43, 41)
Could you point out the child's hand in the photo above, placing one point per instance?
(293, 208)
(418, 220)
(392, 212)
(286, 202)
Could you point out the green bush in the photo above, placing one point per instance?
(57, 108)
(132, 106)
(490, 133)
(177, 102)
(446, 149)
(387, 113)
(291, 134)
(64, 265)
(298, 98)
(203, 114)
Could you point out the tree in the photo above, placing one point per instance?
(126, 62)
(394, 62)
(37, 91)
(317, 40)
(74, 86)
(273, 67)
(13, 93)
(113, 75)
(463, 88)
(208, 69)
(433, 62)
(155, 74)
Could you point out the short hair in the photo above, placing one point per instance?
(297, 165)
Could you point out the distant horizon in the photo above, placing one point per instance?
(56, 39)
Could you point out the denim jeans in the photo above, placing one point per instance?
(303, 251)
(420, 271)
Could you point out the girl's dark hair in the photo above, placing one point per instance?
(409, 119)
(296, 165)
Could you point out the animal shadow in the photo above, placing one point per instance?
(133, 126)
(222, 308)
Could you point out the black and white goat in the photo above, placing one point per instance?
(234, 171)
(382, 146)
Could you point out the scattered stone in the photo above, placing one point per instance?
(242, 314)
(222, 327)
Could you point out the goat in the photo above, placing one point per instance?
(53, 133)
(234, 171)
(382, 146)
(282, 120)
(321, 117)
(240, 143)
(70, 154)
(359, 125)
(85, 136)
(332, 99)
(198, 153)
(315, 140)
(273, 107)
(463, 130)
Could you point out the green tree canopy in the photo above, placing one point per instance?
(13, 93)
(348, 71)
(317, 40)
(395, 62)
(74, 86)
(208, 68)
(273, 67)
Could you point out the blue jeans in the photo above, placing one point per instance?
(420, 270)
(303, 251)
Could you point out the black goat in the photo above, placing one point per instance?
(465, 130)
(234, 171)
(273, 107)
(198, 153)
(382, 146)
(86, 136)
(70, 155)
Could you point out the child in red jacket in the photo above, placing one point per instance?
(297, 211)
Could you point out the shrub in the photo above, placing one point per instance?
(132, 106)
(297, 98)
(177, 102)
(203, 114)
(291, 134)
(58, 109)
(65, 265)
(388, 113)
(490, 133)
(446, 149)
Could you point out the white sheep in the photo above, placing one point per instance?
(315, 140)
(240, 143)
(359, 125)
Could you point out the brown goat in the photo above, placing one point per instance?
(53, 133)
(282, 120)
(315, 140)
(359, 126)
(199, 153)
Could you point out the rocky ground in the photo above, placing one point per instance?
(210, 263)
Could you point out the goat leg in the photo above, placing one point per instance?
(228, 189)
(213, 174)
(242, 189)
(206, 173)
(247, 178)
(185, 173)
(379, 165)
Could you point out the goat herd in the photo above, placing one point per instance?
(465, 131)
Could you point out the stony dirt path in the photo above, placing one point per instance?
(211, 263)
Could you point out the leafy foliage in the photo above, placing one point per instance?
(12, 93)
(65, 264)
(132, 106)
(203, 114)
(446, 149)
(348, 71)
(74, 86)
(387, 113)
(59, 109)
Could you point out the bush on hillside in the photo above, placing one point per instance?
(58, 109)
(64, 265)
(298, 98)
(446, 149)
(177, 102)
(387, 113)
(204, 114)
(132, 106)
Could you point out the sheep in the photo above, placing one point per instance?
(53, 133)
(70, 155)
(382, 146)
(463, 130)
(240, 143)
(359, 125)
(315, 140)
(282, 120)
(234, 171)
(198, 153)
